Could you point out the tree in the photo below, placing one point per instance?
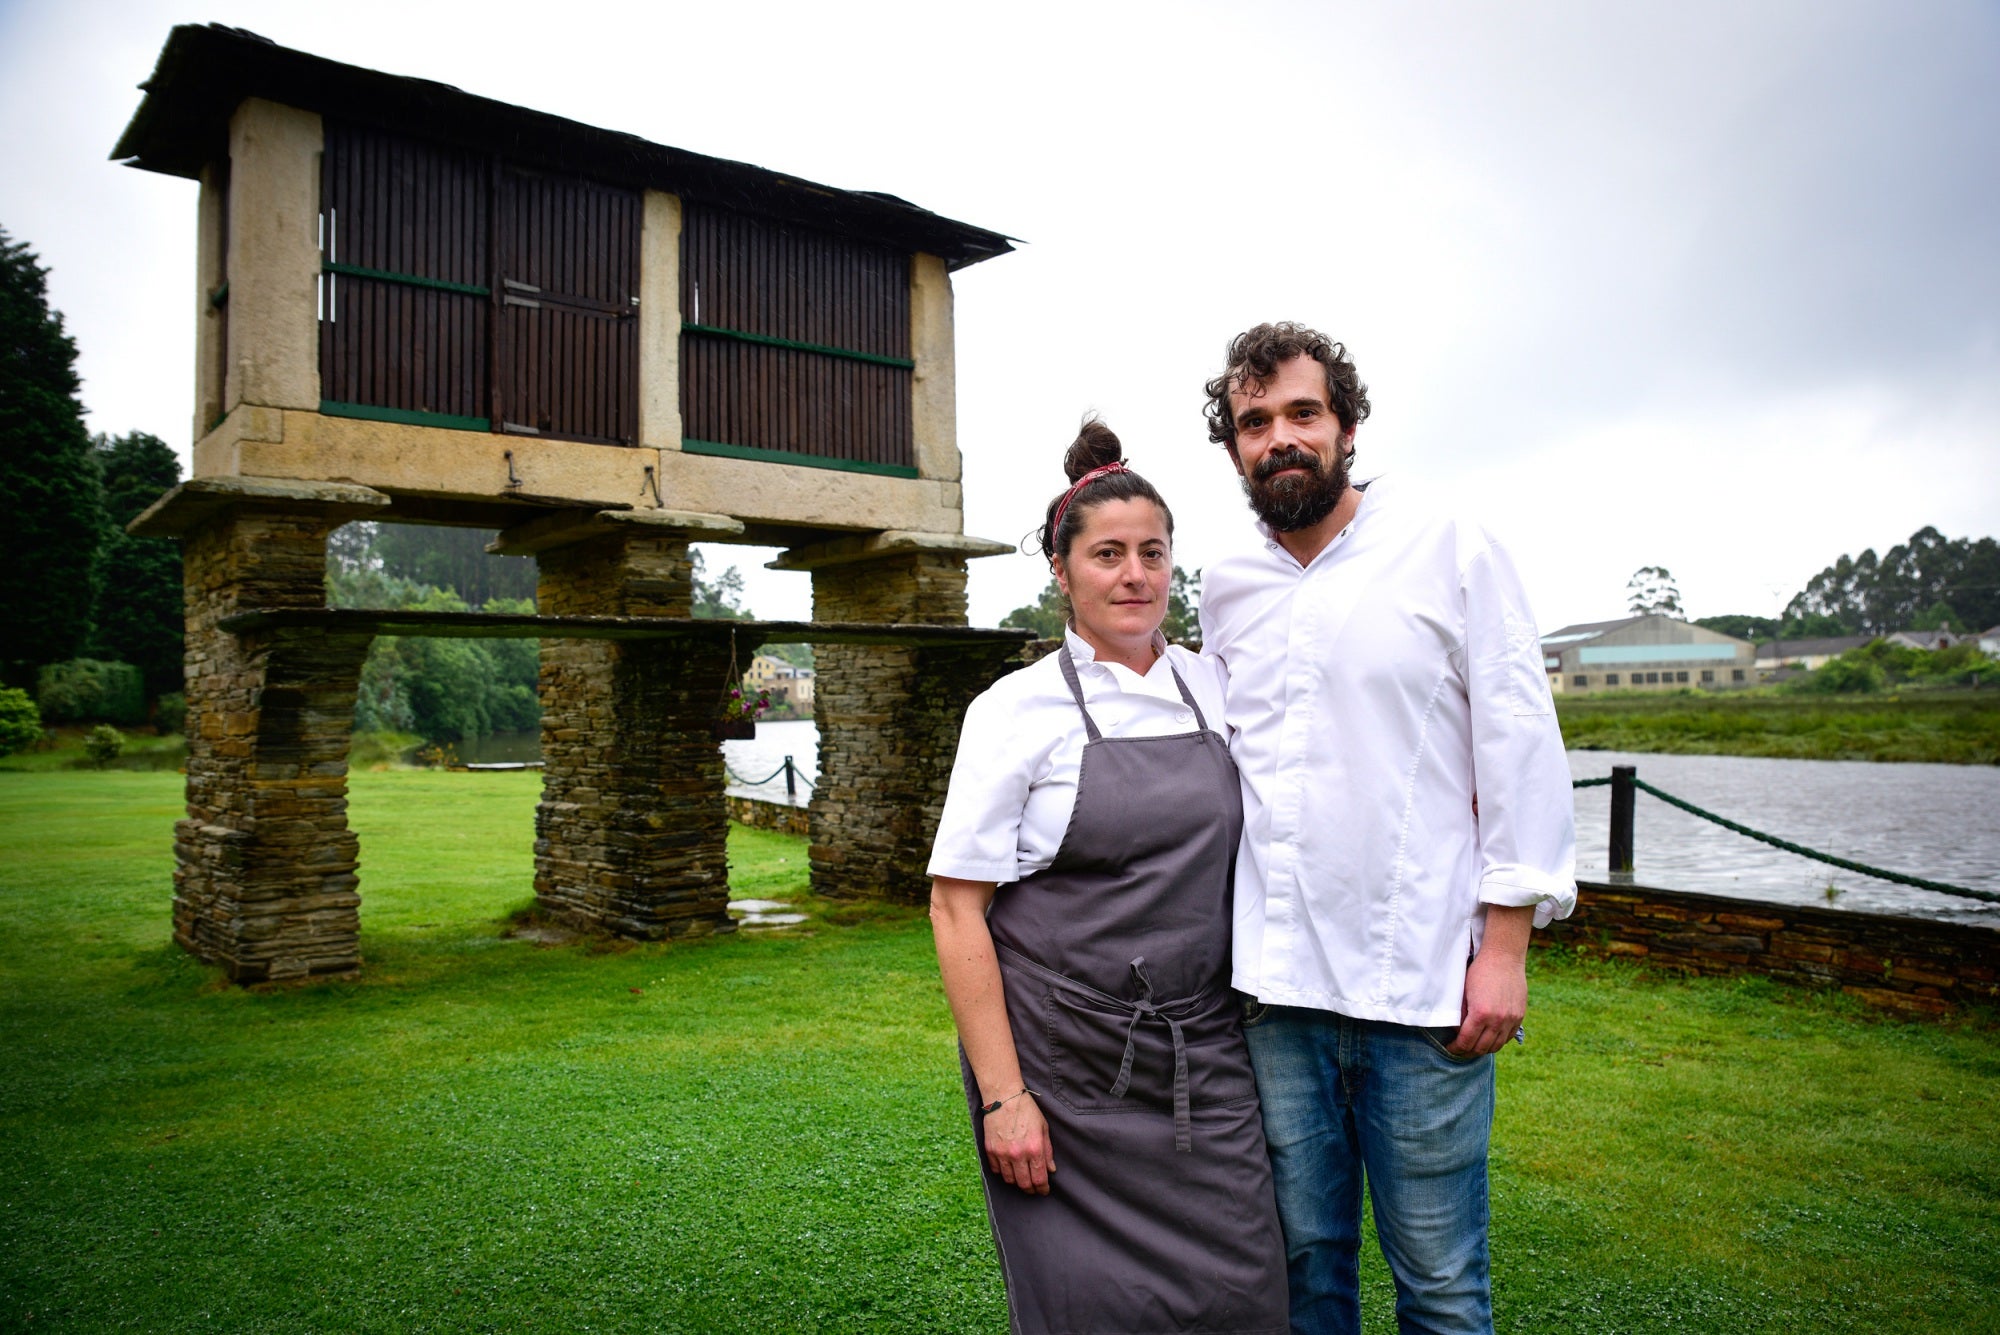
(798, 655)
(140, 615)
(48, 484)
(1880, 595)
(1183, 623)
(20, 721)
(1651, 591)
(1045, 616)
(455, 559)
(1938, 616)
(1741, 625)
(720, 599)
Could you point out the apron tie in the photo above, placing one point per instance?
(1143, 1009)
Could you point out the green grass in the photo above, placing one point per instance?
(1954, 727)
(765, 1132)
(62, 748)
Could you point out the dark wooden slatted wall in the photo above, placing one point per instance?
(751, 276)
(569, 279)
(401, 207)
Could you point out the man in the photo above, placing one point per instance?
(1407, 823)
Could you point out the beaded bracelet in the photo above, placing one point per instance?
(988, 1109)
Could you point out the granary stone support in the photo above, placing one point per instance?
(264, 876)
(888, 716)
(631, 833)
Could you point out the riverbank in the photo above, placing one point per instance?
(766, 1132)
(1948, 727)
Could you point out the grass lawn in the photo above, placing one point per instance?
(765, 1133)
(1949, 726)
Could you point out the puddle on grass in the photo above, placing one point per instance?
(763, 913)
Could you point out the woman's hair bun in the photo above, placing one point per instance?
(1095, 446)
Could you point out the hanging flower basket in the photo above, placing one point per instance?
(736, 720)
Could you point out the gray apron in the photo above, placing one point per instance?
(1115, 961)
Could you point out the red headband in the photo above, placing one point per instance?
(1055, 525)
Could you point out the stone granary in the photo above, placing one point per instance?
(421, 306)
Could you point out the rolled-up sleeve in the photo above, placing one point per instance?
(978, 836)
(1527, 815)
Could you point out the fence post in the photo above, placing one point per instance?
(1622, 795)
(791, 782)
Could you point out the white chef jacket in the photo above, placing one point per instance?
(1013, 785)
(1372, 694)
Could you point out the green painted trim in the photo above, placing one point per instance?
(217, 298)
(723, 451)
(407, 279)
(901, 363)
(407, 416)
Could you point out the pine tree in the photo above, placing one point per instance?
(139, 608)
(48, 479)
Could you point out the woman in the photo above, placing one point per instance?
(1080, 897)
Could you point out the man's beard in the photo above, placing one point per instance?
(1298, 500)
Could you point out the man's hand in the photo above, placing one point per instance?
(1017, 1145)
(1496, 983)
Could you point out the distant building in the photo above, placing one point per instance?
(1808, 654)
(1645, 653)
(1929, 639)
(786, 684)
(1773, 655)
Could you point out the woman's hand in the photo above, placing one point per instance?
(1016, 1137)
(1017, 1145)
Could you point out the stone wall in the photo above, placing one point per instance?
(888, 724)
(265, 875)
(1907, 964)
(759, 814)
(631, 834)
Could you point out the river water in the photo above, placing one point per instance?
(1940, 822)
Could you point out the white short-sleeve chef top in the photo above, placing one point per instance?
(1013, 784)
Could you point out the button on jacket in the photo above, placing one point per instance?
(1372, 694)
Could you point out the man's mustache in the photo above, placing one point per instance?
(1289, 456)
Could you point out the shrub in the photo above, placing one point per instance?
(103, 744)
(85, 690)
(20, 721)
(1847, 676)
(170, 713)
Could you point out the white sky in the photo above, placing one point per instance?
(1711, 286)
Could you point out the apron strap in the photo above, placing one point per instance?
(1145, 1009)
(1199, 720)
(1090, 724)
(1076, 689)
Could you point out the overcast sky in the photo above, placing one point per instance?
(1708, 286)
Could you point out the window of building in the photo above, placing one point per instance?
(1579, 680)
(795, 345)
(1611, 679)
(1707, 676)
(1736, 674)
(1652, 678)
(1680, 676)
(458, 291)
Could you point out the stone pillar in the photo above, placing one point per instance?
(888, 723)
(265, 867)
(631, 834)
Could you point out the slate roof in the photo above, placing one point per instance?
(206, 71)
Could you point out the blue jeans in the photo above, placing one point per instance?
(1343, 1098)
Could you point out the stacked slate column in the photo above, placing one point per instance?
(265, 877)
(888, 723)
(630, 837)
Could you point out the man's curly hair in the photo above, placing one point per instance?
(1256, 354)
